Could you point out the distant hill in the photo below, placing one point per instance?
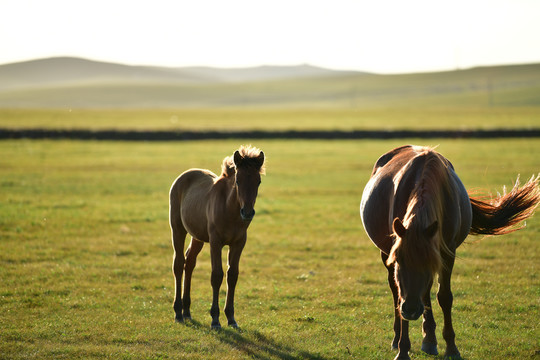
(263, 73)
(80, 83)
(67, 71)
(74, 71)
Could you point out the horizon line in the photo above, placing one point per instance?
(442, 70)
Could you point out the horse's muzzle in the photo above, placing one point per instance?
(247, 215)
(411, 311)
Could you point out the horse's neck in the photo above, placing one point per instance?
(403, 184)
(230, 195)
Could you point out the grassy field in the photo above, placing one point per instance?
(86, 255)
(274, 118)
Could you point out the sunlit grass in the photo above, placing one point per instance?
(390, 118)
(86, 255)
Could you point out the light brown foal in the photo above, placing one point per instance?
(217, 210)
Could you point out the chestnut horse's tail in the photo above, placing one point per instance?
(504, 213)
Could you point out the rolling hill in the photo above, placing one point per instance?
(67, 71)
(81, 83)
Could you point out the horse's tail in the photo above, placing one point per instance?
(502, 215)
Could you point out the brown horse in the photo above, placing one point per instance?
(417, 212)
(217, 210)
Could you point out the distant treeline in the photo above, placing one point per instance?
(124, 135)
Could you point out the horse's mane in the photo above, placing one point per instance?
(249, 154)
(425, 207)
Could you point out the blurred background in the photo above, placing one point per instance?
(368, 65)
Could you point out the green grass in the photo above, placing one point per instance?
(86, 256)
(274, 118)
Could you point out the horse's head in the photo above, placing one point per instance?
(249, 167)
(415, 261)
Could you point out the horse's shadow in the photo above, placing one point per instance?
(254, 344)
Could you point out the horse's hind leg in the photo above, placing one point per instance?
(178, 238)
(194, 249)
(429, 344)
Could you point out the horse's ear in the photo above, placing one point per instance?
(237, 158)
(260, 159)
(431, 230)
(398, 228)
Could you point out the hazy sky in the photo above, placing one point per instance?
(383, 36)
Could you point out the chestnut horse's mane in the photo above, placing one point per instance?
(424, 208)
(249, 153)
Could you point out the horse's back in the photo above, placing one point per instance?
(377, 198)
(387, 191)
(188, 201)
(396, 158)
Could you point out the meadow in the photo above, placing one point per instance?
(86, 255)
(277, 118)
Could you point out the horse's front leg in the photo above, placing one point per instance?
(235, 251)
(393, 288)
(401, 340)
(216, 280)
(445, 298)
(404, 342)
(429, 344)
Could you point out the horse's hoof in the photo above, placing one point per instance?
(179, 319)
(232, 323)
(216, 326)
(400, 356)
(453, 357)
(395, 343)
(430, 349)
